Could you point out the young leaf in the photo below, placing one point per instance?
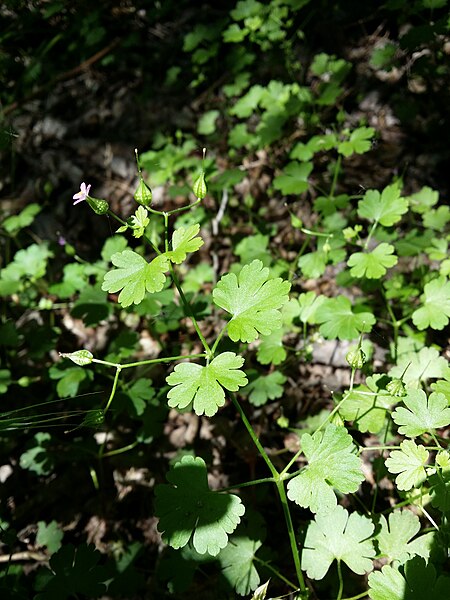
(435, 309)
(366, 405)
(422, 201)
(386, 208)
(313, 264)
(416, 581)
(207, 517)
(271, 348)
(339, 321)
(80, 357)
(331, 464)
(437, 219)
(372, 265)
(358, 142)
(204, 385)
(263, 388)
(134, 276)
(254, 247)
(309, 303)
(139, 221)
(253, 300)
(207, 122)
(421, 414)
(49, 535)
(261, 591)
(184, 241)
(237, 563)
(440, 490)
(140, 393)
(415, 367)
(75, 572)
(338, 536)
(394, 537)
(15, 223)
(409, 462)
(294, 179)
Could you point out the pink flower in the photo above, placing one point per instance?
(82, 194)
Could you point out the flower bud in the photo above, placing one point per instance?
(356, 358)
(396, 387)
(199, 188)
(143, 194)
(100, 207)
(337, 420)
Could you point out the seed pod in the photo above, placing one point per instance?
(100, 207)
(143, 194)
(94, 417)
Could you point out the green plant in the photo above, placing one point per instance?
(361, 475)
(254, 302)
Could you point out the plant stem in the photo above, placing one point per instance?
(292, 539)
(120, 450)
(281, 492)
(114, 387)
(177, 210)
(297, 454)
(94, 478)
(369, 237)
(357, 597)
(269, 567)
(188, 310)
(380, 448)
(316, 233)
(341, 581)
(153, 361)
(293, 269)
(254, 437)
(436, 441)
(337, 168)
(219, 337)
(238, 486)
(395, 325)
(352, 379)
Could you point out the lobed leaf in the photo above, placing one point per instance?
(409, 462)
(184, 240)
(421, 414)
(338, 321)
(416, 581)
(134, 276)
(435, 309)
(263, 388)
(366, 405)
(189, 510)
(372, 265)
(386, 208)
(204, 385)
(331, 464)
(359, 142)
(394, 537)
(294, 179)
(253, 300)
(338, 536)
